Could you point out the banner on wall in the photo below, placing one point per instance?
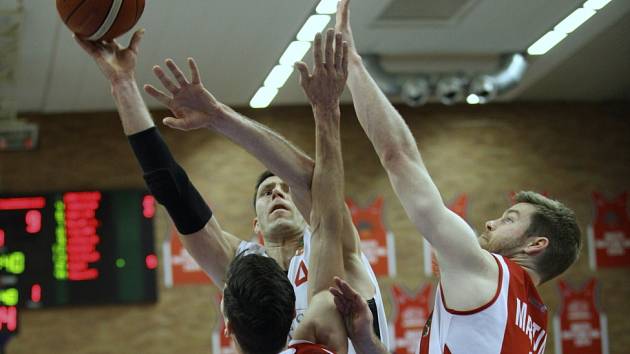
(179, 266)
(376, 242)
(579, 327)
(609, 234)
(410, 315)
(459, 206)
(221, 344)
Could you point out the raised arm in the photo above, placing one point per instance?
(322, 323)
(202, 236)
(194, 107)
(458, 251)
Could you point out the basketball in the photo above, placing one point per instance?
(100, 20)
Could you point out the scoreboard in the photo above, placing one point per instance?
(75, 248)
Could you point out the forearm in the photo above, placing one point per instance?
(133, 112)
(371, 346)
(281, 157)
(381, 122)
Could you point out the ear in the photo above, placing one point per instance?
(535, 245)
(255, 226)
(227, 331)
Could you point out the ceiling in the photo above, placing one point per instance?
(237, 42)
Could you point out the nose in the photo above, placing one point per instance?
(277, 192)
(490, 225)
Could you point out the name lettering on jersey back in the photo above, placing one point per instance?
(537, 335)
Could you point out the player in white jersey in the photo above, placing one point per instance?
(487, 289)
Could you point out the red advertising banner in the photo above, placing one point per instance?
(579, 328)
(179, 266)
(609, 235)
(376, 242)
(221, 343)
(410, 315)
(459, 206)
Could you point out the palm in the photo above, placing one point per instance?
(192, 104)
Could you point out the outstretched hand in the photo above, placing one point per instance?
(324, 87)
(115, 62)
(192, 105)
(354, 310)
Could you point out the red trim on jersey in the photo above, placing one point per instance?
(482, 307)
(305, 347)
(446, 350)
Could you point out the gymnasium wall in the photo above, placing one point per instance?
(566, 150)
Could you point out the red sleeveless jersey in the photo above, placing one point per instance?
(305, 347)
(513, 322)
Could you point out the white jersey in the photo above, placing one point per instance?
(298, 275)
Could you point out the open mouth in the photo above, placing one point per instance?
(278, 207)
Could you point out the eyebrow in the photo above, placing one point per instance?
(513, 211)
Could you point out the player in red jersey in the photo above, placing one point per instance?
(487, 300)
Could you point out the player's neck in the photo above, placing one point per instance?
(528, 265)
(283, 248)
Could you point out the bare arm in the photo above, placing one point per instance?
(322, 323)
(460, 257)
(212, 248)
(194, 107)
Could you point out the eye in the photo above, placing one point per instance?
(508, 220)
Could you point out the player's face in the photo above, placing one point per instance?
(506, 235)
(275, 211)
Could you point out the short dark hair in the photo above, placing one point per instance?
(555, 221)
(259, 303)
(263, 176)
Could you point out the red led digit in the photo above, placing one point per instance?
(36, 293)
(151, 261)
(33, 221)
(148, 206)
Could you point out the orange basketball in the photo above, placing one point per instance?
(100, 20)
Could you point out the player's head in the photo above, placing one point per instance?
(537, 227)
(275, 211)
(258, 304)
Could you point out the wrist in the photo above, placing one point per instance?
(366, 344)
(120, 81)
(326, 108)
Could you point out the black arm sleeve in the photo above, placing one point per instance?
(169, 183)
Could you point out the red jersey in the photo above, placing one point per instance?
(305, 347)
(513, 322)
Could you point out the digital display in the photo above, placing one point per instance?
(75, 248)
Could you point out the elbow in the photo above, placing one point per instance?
(394, 155)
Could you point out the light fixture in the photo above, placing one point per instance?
(263, 97)
(596, 4)
(294, 52)
(450, 90)
(546, 42)
(416, 91)
(312, 26)
(278, 76)
(574, 20)
(327, 7)
(482, 89)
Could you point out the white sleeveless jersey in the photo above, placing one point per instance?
(298, 275)
(513, 322)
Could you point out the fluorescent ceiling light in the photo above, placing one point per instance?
(327, 7)
(312, 26)
(546, 42)
(294, 52)
(473, 99)
(596, 4)
(278, 76)
(574, 20)
(263, 97)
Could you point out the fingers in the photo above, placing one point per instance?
(344, 61)
(338, 51)
(329, 55)
(165, 80)
(179, 75)
(196, 78)
(87, 46)
(134, 43)
(175, 123)
(317, 50)
(303, 69)
(157, 94)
